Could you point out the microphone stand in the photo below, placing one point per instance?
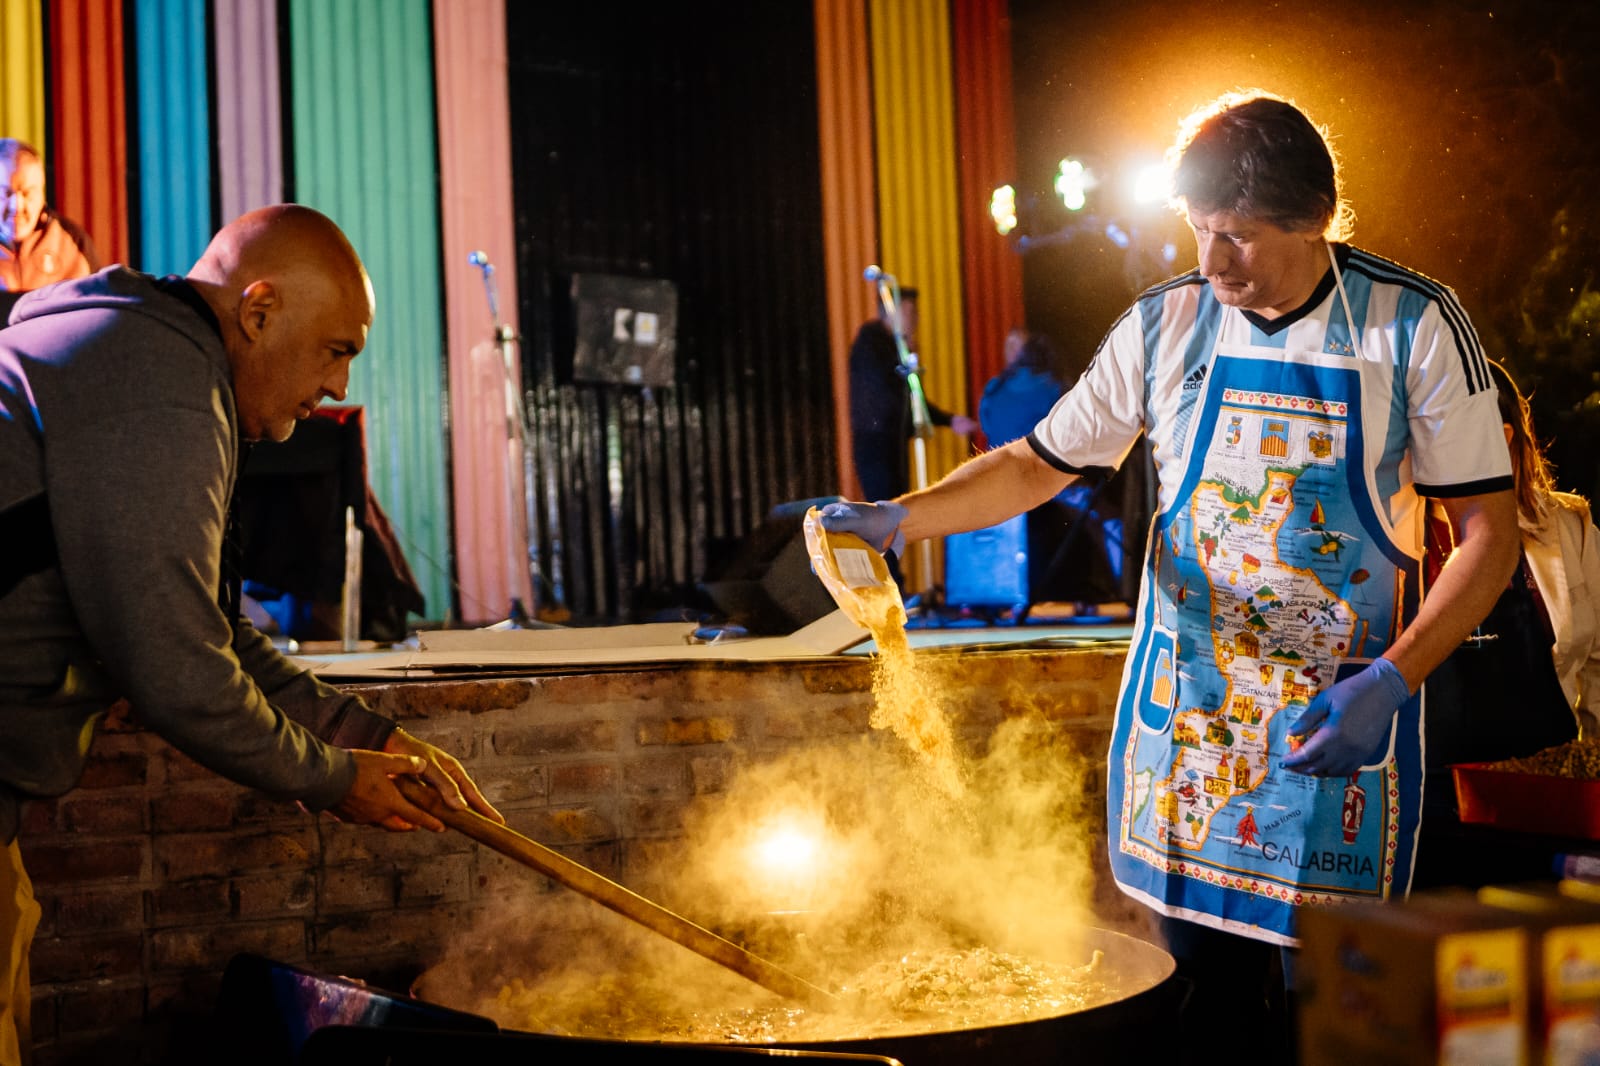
(888, 290)
(506, 341)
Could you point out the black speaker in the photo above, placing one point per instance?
(768, 587)
(291, 502)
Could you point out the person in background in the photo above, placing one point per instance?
(37, 245)
(1561, 557)
(1301, 399)
(1013, 402)
(124, 402)
(880, 404)
(1528, 678)
(1017, 398)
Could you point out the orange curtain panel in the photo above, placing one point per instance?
(88, 121)
(849, 196)
(985, 160)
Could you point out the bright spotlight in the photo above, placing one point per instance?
(1003, 209)
(1150, 184)
(1072, 184)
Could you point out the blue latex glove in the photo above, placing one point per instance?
(876, 523)
(1348, 721)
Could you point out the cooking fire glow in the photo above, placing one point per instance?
(786, 851)
(783, 859)
(900, 869)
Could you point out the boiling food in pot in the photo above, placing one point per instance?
(922, 991)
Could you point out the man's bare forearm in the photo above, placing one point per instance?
(1488, 545)
(984, 490)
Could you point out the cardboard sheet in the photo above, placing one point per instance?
(462, 650)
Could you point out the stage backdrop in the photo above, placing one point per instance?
(678, 144)
(757, 178)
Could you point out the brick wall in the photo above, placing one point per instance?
(155, 872)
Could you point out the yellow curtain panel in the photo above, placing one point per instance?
(22, 72)
(918, 211)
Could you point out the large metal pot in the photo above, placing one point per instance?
(1136, 1026)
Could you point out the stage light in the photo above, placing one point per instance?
(1072, 184)
(1003, 209)
(1150, 184)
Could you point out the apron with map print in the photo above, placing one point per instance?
(1272, 574)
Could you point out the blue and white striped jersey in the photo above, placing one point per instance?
(1431, 401)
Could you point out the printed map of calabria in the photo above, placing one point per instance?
(1247, 564)
(1273, 574)
(1277, 634)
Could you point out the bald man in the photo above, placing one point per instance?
(123, 402)
(38, 246)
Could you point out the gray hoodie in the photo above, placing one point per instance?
(116, 403)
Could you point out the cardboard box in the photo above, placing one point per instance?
(1564, 966)
(1441, 978)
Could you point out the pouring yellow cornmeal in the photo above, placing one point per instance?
(858, 579)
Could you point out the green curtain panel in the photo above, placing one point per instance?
(364, 152)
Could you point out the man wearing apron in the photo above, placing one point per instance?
(1300, 397)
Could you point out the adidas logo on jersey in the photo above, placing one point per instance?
(1195, 380)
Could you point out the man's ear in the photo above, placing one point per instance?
(258, 300)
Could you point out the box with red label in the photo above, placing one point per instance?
(1441, 978)
(1563, 968)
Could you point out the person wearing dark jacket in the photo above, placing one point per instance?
(124, 400)
(880, 405)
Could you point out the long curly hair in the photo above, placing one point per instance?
(1530, 470)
